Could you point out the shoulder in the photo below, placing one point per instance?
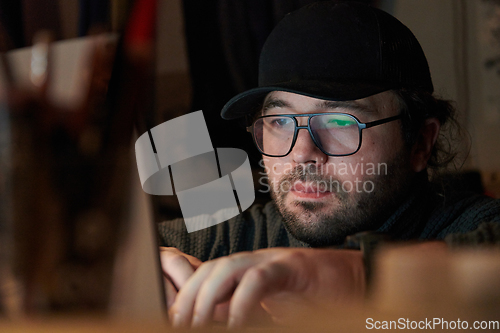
(244, 232)
(464, 212)
(487, 234)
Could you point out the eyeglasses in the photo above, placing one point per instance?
(335, 134)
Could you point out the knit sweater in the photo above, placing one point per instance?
(425, 215)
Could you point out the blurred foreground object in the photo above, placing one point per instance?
(463, 283)
(64, 215)
(417, 284)
(70, 109)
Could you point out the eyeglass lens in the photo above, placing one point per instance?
(335, 134)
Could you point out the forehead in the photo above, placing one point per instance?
(384, 103)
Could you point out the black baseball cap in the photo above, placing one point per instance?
(336, 51)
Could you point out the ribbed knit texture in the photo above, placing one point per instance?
(258, 227)
(488, 234)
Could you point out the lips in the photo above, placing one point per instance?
(305, 190)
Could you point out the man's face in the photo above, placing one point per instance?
(324, 198)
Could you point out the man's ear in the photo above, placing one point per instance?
(427, 137)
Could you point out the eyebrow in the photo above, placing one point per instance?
(344, 104)
(274, 103)
(323, 105)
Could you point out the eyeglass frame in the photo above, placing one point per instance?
(361, 127)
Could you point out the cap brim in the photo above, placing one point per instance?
(249, 101)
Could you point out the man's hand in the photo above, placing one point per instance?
(273, 278)
(177, 267)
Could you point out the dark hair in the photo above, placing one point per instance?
(416, 107)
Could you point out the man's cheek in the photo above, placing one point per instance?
(263, 163)
(274, 169)
(361, 169)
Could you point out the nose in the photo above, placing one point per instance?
(305, 150)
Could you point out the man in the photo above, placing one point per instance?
(348, 127)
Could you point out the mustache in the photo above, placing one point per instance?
(310, 174)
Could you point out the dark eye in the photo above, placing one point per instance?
(281, 122)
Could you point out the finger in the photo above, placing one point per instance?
(176, 267)
(221, 312)
(255, 285)
(220, 285)
(181, 311)
(195, 262)
(170, 292)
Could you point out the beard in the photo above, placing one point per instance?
(327, 223)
